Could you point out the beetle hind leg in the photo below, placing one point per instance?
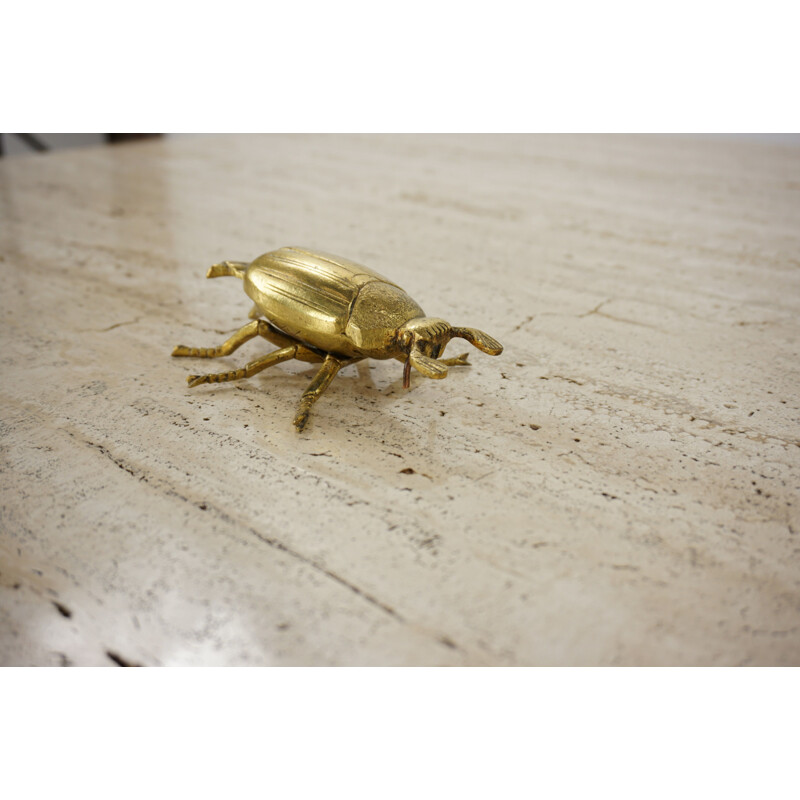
(244, 334)
(258, 327)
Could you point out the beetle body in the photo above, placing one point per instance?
(322, 308)
(331, 303)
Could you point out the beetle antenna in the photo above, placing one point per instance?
(479, 339)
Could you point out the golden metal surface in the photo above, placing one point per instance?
(323, 308)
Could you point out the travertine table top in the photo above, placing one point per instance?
(619, 487)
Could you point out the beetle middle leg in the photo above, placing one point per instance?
(254, 367)
(259, 327)
(322, 380)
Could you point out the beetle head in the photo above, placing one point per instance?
(425, 338)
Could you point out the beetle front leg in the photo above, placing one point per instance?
(322, 380)
(458, 361)
(269, 360)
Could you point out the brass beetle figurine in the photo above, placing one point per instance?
(322, 308)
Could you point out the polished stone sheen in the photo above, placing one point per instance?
(620, 486)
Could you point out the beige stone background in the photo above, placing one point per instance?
(620, 487)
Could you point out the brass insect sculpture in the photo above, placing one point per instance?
(322, 308)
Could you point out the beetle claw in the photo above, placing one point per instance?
(300, 421)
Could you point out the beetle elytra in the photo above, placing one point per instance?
(318, 307)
